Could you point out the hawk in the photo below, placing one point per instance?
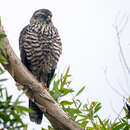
(40, 48)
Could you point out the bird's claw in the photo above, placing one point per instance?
(44, 85)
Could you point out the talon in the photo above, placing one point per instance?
(46, 88)
(44, 85)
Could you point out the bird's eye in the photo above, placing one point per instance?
(49, 16)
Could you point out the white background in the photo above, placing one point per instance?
(89, 45)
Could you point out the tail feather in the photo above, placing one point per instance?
(37, 114)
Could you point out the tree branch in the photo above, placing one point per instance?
(34, 90)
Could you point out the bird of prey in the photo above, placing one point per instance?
(40, 48)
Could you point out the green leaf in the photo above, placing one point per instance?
(63, 79)
(65, 91)
(1, 71)
(119, 127)
(125, 109)
(1, 80)
(77, 103)
(74, 101)
(126, 122)
(67, 71)
(80, 91)
(90, 128)
(66, 103)
(4, 117)
(97, 107)
(101, 122)
(55, 85)
(55, 95)
(84, 123)
(1, 94)
(54, 76)
(115, 124)
(22, 108)
(2, 49)
(0, 22)
(21, 126)
(25, 127)
(73, 110)
(106, 122)
(2, 36)
(3, 60)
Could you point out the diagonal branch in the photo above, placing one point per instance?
(58, 118)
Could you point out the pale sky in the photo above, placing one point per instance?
(89, 44)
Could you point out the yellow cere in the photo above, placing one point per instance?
(49, 16)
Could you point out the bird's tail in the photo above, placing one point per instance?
(37, 114)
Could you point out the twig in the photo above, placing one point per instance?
(110, 85)
(119, 44)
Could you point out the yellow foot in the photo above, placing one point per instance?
(44, 85)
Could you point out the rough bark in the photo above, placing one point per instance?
(34, 90)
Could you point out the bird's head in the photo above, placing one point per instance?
(42, 15)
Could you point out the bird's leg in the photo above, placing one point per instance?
(43, 84)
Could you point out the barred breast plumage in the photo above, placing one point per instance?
(42, 46)
(40, 49)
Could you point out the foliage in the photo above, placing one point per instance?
(2, 50)
(86, 115)
(11, 112)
